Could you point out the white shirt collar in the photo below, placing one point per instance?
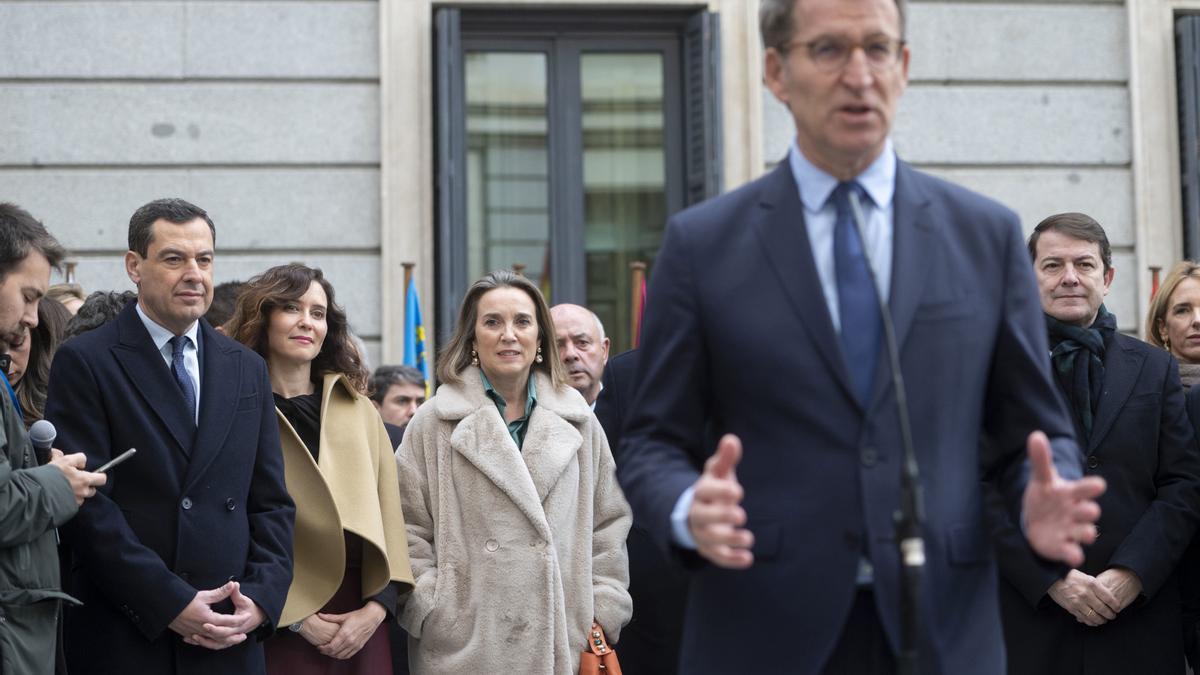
(878, 179)
(161, 336)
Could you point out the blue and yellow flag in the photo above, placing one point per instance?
(414, 336)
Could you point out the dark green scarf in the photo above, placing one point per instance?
(1078, 358)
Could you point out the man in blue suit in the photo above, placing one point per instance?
(763, 320)
(184, 558)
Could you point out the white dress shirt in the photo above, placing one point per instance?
(191, 354)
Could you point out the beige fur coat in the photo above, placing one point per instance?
(513, 552)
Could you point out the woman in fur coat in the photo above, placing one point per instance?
(516, 524)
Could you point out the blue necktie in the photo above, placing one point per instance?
(858, 303)
(179, 370)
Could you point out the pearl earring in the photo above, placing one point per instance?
(474, 358)
(539, 355)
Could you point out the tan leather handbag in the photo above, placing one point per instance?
(600, 659)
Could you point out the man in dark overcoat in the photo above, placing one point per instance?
(183, 560)
(1119, 612)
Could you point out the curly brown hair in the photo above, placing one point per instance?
(285, 283)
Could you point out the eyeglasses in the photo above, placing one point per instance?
(830, 53)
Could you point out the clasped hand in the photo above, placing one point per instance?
(341, 636)
(1059, 514)
(201, 626)
(1095, 601)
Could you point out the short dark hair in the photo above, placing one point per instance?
(776, 25)
(224, 301)
(21, 233)
(98, 309)
(1078, 226)
(174, 210)
(385, 376)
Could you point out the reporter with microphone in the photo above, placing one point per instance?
(33, 499)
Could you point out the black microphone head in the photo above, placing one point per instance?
(42, 433)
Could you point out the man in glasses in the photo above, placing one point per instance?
(764, 320)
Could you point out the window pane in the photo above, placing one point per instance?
(624, 178)
(508, 208)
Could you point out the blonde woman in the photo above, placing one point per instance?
(516, 524)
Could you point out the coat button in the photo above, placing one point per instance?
(230, 504)
(186, 503)
(869, 457)
(492, 545)
(1093, 461)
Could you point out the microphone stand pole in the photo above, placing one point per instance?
(910, 517)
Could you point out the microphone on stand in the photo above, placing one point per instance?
(42, 434)
(910, 517)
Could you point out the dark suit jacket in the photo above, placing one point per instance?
(650, 643)
(1144, 447)
(737, 333)
(1189, 567)
(196, 507)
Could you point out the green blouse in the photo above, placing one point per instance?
(516, 428)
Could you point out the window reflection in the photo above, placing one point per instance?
(624, 178)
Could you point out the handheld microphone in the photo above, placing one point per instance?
(911, 515)
(42, 434)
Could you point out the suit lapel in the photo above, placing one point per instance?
(779, 223)
(1121, 369)
(143, 364)
(912, 242)
(219, 379)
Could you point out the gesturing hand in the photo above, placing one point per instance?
(83, 483)
(1088, 600)
(1059, 514)
(354, 629)
(198, 615)
(716, 517)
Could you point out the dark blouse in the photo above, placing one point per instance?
(303, 412)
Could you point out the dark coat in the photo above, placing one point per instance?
(1189, 567)
(196, 507)
(1145, 449)
(650, 643)
(737, 333)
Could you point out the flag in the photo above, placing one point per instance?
(414, 335)
(637, 338)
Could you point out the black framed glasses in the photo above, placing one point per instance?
(833, 53)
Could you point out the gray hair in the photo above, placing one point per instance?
(776, 25)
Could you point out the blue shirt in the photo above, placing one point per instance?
(191, 353)
(815, 187)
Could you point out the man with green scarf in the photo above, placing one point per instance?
(1120, 611)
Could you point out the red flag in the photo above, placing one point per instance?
(637, 338)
